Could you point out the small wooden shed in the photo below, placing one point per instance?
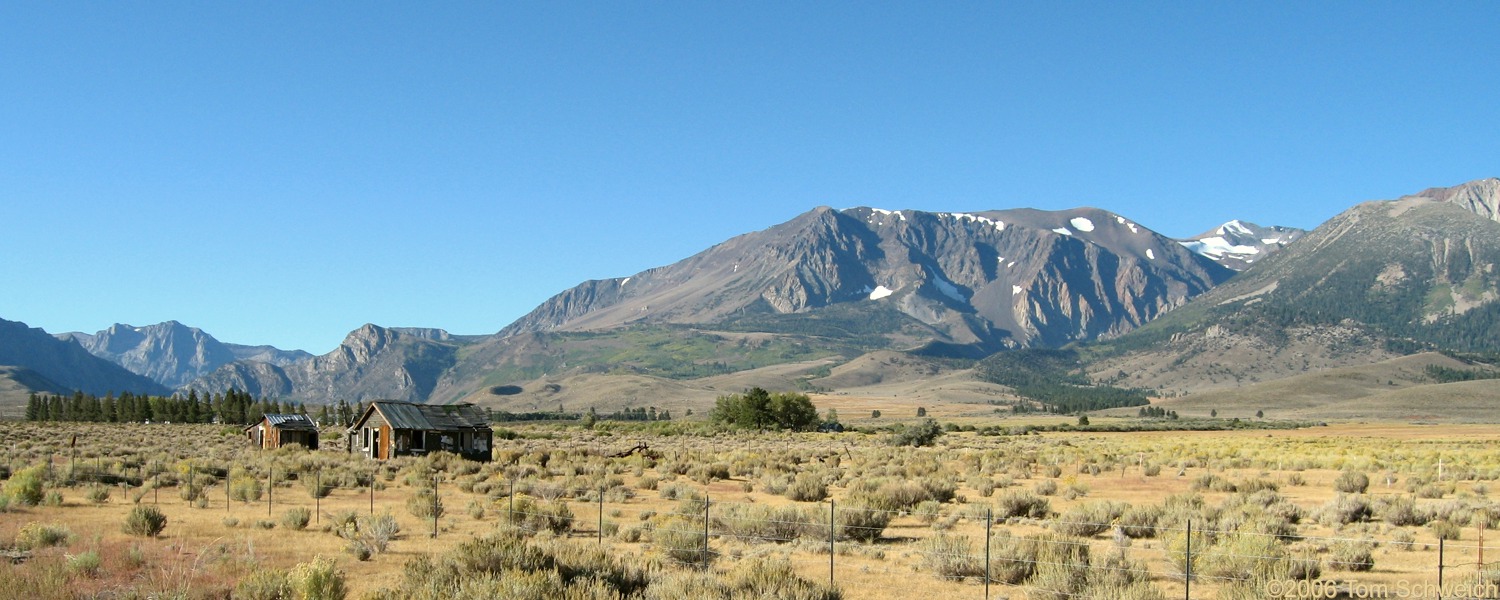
(276, 430)
(389, 428)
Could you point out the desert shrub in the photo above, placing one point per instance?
(1403, 540)
(426, 504)
(145, 521)
(860, 523)
(761, 523)
(1351, 482)
(1350, 555)
(52, 498)
(1401, 511)
(1012, 559)
(98, 494)
(1141, 521)
(84, 563)
(265, 524)
(926, 511)
(1212, 482)
(681, 540)
(754, 578)
(807, 488)
(950, 556)
(1046, 487)
(33, 536)
(1089, 519)
(475, 509)
(1062, 569)
(1177, 546)
(1235, 556)
(265, 584)
(1345, 509)
(538, 516)
(25, 486)
(985, 486)
(1022, 504)
(1445, 530)
(902, 495)
(296, 519)
(365, 536)
(246, 488)
(316, 485)
(320, 579)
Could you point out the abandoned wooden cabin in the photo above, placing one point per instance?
(390, 428)
(274, 431)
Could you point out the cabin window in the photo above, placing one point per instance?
(418, 441)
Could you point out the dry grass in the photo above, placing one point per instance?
(199, 550)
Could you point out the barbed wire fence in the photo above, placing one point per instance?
(1207, 558)
(1195, 555)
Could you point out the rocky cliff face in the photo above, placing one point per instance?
(66, 363)
(171, 353)
(372, 363)
(1481, 197)
(989, 280)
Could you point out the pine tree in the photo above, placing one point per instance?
(33, 407)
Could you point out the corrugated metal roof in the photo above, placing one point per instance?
(432, 417)
(291, 422)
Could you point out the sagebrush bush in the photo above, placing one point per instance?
(951, 556)
(1022, 504)
(33, 536)
(758, 523)
(25, 486)
(1351, 556)
(807, 488)
(681, 540)
(145, 521)
(296, 519)
(265, 584)
(320, 579)
(1089, 519)
(426, 504)
(1352, 482)
(860, 523)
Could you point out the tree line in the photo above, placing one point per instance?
(231, 407)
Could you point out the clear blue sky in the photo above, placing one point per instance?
(283, 172)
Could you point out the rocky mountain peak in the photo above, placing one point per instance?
(1481, 197)
(1237, 244)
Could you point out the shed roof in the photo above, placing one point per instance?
(291, 422)
(429, 417)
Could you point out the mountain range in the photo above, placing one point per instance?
(809, 301)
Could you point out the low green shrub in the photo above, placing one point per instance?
(145, 521)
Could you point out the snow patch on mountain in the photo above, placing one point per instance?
(1150, 254)
(1082, 224)
(948, 289)
(879, 292)
(1218, 247)
(998, 225)
(1062, 230)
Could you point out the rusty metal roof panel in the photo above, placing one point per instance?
(432, 417)
(291, 422)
